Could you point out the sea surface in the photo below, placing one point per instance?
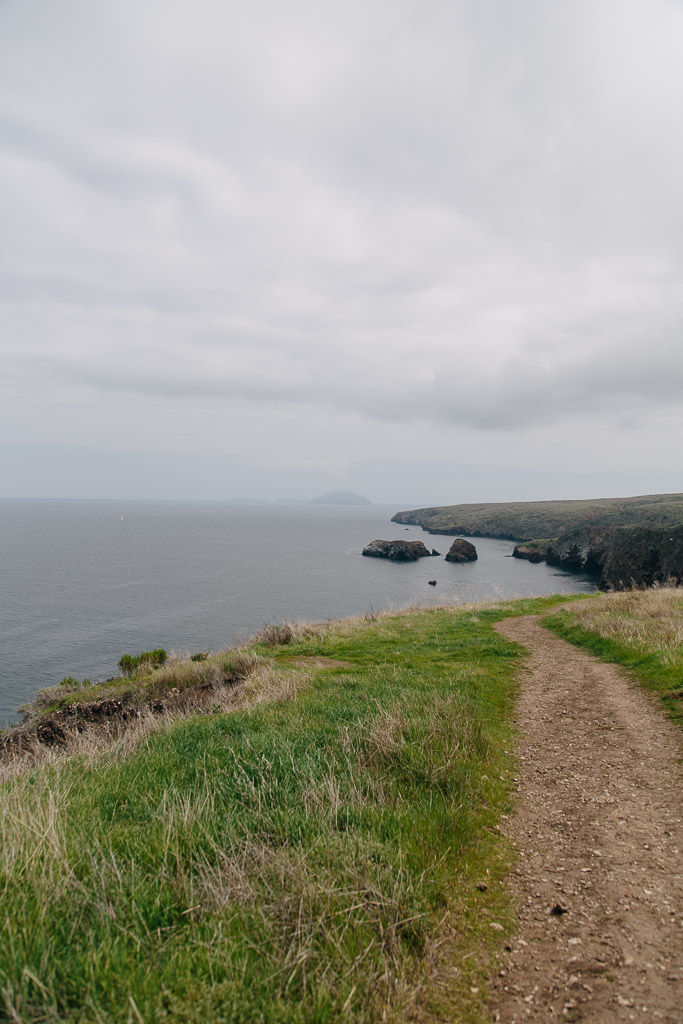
(83, 582)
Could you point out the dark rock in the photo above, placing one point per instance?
(558, 910)
(396, 550)
(462, 551)
(435, 552)
(531, 554)
(432, 583)
(623, 556)
(583, 549)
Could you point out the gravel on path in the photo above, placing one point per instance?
(598, 827)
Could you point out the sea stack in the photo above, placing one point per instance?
(462, 551)
(396, 550)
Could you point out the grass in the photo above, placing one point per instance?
(313, 859)
(319, 845)
(149, 683)
(641, 630)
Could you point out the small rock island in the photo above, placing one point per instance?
(462, 551)
(397, 550)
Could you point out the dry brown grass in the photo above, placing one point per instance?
(648, 618)
(276, 634)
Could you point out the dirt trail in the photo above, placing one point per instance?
(598, 824)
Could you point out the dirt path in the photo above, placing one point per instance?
(598, 824)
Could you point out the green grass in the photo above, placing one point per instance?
(641, 630)
(310, 860)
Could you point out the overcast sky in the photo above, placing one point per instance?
(431, 250)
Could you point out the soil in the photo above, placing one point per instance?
(57, 728)
(598, 827)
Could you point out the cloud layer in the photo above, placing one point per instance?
(315, 232)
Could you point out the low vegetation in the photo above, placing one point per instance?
(299, 860)
(130, 663)
(316, 842)
(529, 520)
(639, 629)
(147, 683)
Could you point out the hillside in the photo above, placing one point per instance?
(527, 520)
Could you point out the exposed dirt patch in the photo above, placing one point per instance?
(598, 826)
(56, 728)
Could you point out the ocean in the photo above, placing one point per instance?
(83, 582)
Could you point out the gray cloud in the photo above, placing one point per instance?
(457, 216)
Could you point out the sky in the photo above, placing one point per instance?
(429, 250)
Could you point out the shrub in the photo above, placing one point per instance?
(74, 684)
(128, 663)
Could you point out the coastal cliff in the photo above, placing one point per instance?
(626, 541)
(624, 556)
(529, 520)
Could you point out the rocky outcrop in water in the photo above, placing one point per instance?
(462, 551)
(530, 552)
(396, 550)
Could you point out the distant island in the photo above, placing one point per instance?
(346, 497)
(341, 498)
(626, 541)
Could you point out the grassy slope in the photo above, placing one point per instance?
(534, 519)
(294, 862)
(641, 630)
(310, 860)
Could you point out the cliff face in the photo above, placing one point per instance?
(583, 549)
(624, 556)
(644, 557)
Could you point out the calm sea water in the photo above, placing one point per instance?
(85, 581)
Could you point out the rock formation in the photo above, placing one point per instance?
(462, 551)
(396, 550)
(531, 554)
(624, 556)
